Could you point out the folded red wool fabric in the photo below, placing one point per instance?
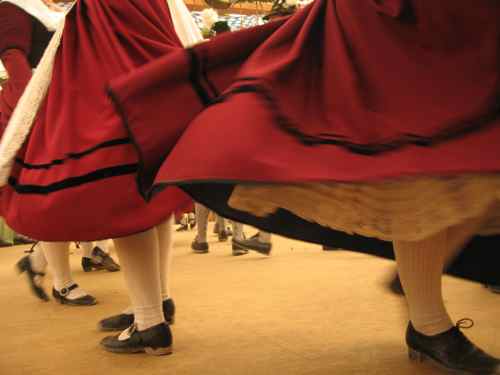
(15, 28)
(343, 91)
(17, 66)
(75, 178)
(15, 45)
(381, 89)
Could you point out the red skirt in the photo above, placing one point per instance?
(16, 27)
(75, 177)
(344, 90)
(16, 63)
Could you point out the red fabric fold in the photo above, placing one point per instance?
(15, 28)
(392, 8)
(74, 179)
(357, 71)
(144, 96)
(379, 97)
(19, 71)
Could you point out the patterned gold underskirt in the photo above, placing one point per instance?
(408, 209)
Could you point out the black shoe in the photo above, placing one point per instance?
(121, 322)
(199, 247)
(34, 278)
(254, 244)
(395, 286)
(61, 297)
(451, 350)
(238, 250)
(222, 235)
(156, 340)
(494, 288)
(169, 311)
(99, 261)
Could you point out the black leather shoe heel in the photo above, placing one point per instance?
(169, 311)
(87, 265)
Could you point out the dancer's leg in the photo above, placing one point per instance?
(201, 222)
(165, 241)
(37, 259)
(57, 256)
(87, 248)
(238, 231)
(420, 268)
(140, 258)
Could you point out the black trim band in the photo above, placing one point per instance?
(403, 140)
(76, 155)
(142, 178)
(196, 77)
(208, 83)
(71, 182)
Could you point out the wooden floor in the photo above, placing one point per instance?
(300, 311)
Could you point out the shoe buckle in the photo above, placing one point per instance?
(65, 291)
(127, 334)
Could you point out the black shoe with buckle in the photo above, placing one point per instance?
(100, 261)
(451, 350)
(123, 321)
(199, 247)
(156, 340)
(61, 297)
(34, 278)
(254, 244)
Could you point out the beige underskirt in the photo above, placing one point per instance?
(408, 209)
